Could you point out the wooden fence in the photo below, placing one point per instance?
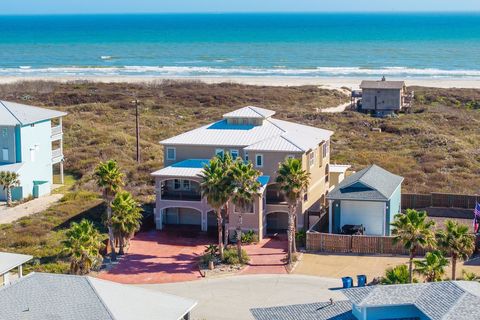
(440, 200)
(340, 243)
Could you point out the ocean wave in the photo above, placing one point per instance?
(187, 71)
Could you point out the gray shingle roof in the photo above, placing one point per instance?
(369, 84)
(340, 310)
(67, 297)
(372, 183)
(437, 300)
(12, 114)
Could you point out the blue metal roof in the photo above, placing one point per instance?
(263, 180)
(191, 163)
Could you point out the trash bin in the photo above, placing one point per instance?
(361, 280)
(347, 282)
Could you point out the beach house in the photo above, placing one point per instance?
(252, 134)
(31, 143)
(383, 97)
(60, 296)
(369, 198)
(447, 300)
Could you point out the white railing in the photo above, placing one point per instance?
(56, 130)
(57, 153)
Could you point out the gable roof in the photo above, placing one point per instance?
(272, 135)
(372, 183)
(9, 261)
(250, 112)
(68, 297)
(437, 300)
(12, 114)
(371, 84)
(340, 310)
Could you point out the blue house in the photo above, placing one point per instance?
(31, 143)
(447, 300)
(370, 197)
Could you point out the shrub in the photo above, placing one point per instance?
(300, 237)
(249, 237)
(231, 256)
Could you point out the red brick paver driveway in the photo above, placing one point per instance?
(267, 257)
(172, 256)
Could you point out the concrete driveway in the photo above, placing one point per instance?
(172, 256)
(233, 297)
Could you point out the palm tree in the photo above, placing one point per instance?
(432, 267)
(9, 180)
(457, 241)
(414, 231)
(246, 188)
(126, 218)
(216, 188)
(83, 245)
(293, 181)
(110, 179)
(396, 275)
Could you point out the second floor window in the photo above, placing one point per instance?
(311, 158)
(326, 148)
(259, 160)
(219, 152)
(5, 154)
(171, 153)
(246, 156)
(4, 132)
(234, 154)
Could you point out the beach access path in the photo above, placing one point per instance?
(9, 215)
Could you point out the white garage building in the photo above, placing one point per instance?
(369, 198)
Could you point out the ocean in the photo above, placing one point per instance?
(222, 45)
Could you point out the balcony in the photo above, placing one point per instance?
(181, 195)
(274, 195)
(57, 155)
(57, 133)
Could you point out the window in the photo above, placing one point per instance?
(326, 148)
(259, 160)
(171, 153)
(5, 154)
(311, 158)
(246, 156)
(234, 154)
(219, 152)
(176, 184)
(186, 185)
(327, 172)
(4, 132)
(290, 156)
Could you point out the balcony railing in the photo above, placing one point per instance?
(181, 195)
(57, 153)
(275, 197)
(57, 130)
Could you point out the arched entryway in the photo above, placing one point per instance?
(277, 222)
(187, 217)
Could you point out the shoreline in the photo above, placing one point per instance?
(324, 82)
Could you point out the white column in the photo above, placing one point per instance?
(6, 278)
(20, 271)
(330, 216)
(62, 180)
(384, 218)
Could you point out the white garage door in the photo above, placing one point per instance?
(368, 213)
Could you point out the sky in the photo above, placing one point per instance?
(9, 7)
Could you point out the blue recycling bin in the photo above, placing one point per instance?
(347, 282)
(362, 280)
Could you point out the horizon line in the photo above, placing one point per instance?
(244, 12)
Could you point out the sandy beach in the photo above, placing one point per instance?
(328, 83)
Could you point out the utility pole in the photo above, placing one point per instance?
(137, 125)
